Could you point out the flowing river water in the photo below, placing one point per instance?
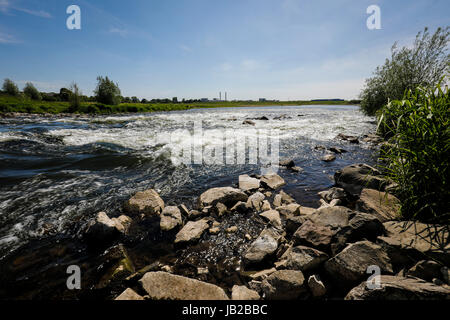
(57, 172)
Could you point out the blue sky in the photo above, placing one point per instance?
(276, 49)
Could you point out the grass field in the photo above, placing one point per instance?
(10, 104)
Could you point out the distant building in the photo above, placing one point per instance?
(204, 100)
(262, 99)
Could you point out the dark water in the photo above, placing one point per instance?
(56, 173)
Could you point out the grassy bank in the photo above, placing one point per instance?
(416, 157)
(24, 105)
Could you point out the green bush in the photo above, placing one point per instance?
(107, 92)
(418, 152)
(10, 88)
(422, 65)
(74, 98)
(31, 92)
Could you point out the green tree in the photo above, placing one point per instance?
(31, 92)
(107, 92)
(64, 94)
(75, 98)
(10, 87)
(134, 99)
(424, 64)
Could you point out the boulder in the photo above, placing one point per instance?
(263, 248)
(426, 270)
(284, 285)
(247, 183)
(313, 235)
(337, 150)
(292, 209)
(147, 202)
(255, 201)
(303, 258)
(240, 207)
(221, 209)
(328, 157)
(399, 288)
(103, 229)
(285, 198)
(277, 200)
(333, 193)
(122, 223)
(316, 286)
(381, 204)
(349, 267)
(244, 293)
(192, 231)
(227, 195)
(165, 286)
(293, 223)
(273, 217)
(272, 181)
(288, 163)
(418, 240)
(195, 214)
(356, 177)
(266, 206)
(129, 294)
(115, 267)
(250, 122)
(170, 218)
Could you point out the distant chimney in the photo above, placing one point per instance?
(225, 96)
(220, 95)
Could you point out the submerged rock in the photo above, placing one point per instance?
(165, 286)
(147, 202)
(399, 288)
(328, 157)
(288, 163)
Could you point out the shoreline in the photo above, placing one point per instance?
(256, 236)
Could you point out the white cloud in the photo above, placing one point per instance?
(7, 38)
(6, 6)
(120, 31)
(185, 48)
(40, 13)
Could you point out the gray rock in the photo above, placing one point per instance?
(399, 288)
(192, 231)
(244, 293)
(303, 258)
(247, 183)
(129, 294)
(316, 286)
(426, 270)
(170, 218)
(102, 229)
(355, 177)
(256, 201)
(263, 248)
(284, 285)
(328, 157)
(417, 240)
(221, 209)
(226, 195)
(165, 286)
(333, 193)
(349, 267)
(272, 181)
(381, 204)
(289, 163)
(313, 235)
(292, 209)
(147, 202)
(273, 217)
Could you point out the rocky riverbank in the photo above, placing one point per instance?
(292, 251)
